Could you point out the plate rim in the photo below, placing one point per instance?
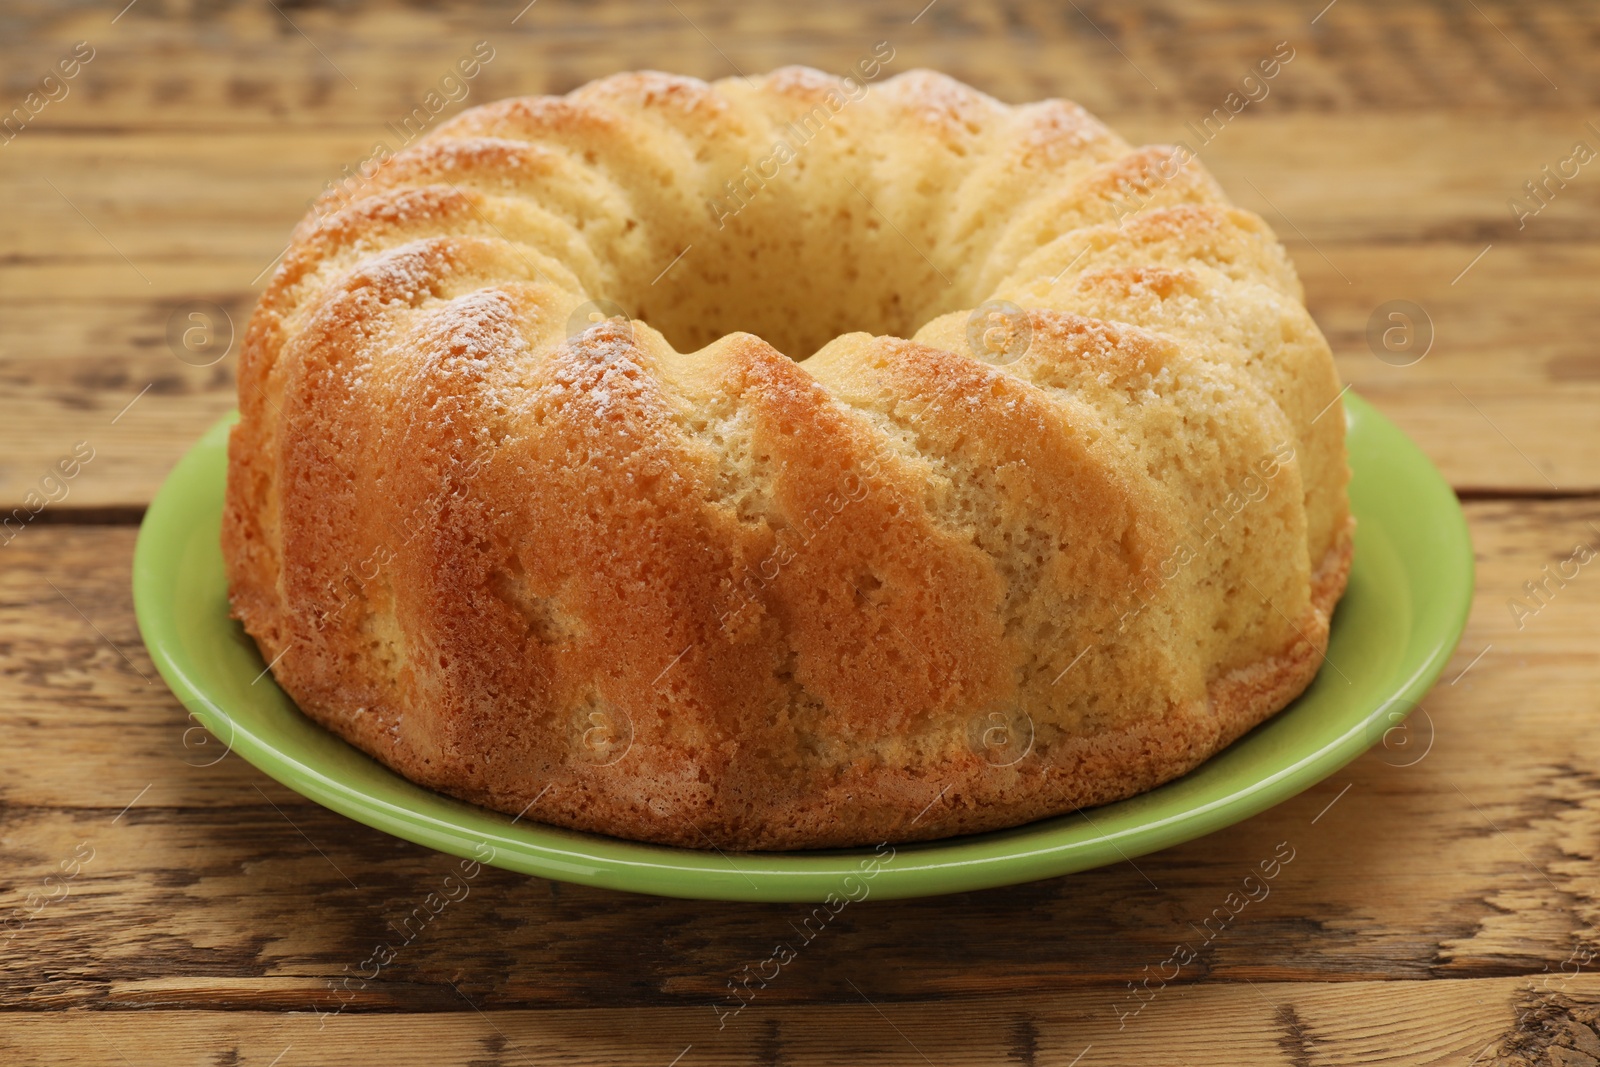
(915, 869)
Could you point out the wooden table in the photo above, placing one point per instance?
(188, 912)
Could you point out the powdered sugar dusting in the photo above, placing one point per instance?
(474, 341)
(801, 81)
(941, 101)
(601, 365)
(406, 274)
(656, 88)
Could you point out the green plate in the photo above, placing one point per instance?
(1410, 588)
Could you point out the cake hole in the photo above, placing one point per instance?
(798, 261)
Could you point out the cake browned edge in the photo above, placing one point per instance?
(1117, 764)
(961, 794)
(1104, 767)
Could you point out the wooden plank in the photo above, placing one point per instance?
(210, 885)
(200, 217)
(87, 330)
(174, 68)
(217, 149)
(1420, 1024)
(1416, 178)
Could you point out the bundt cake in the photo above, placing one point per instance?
(786, 462)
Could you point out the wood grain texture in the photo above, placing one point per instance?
(1441, 910)
(1385, 155)
(212, 888)
(1265, 1024)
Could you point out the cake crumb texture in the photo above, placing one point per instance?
(953, 464)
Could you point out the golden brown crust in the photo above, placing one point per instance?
(900, 589)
